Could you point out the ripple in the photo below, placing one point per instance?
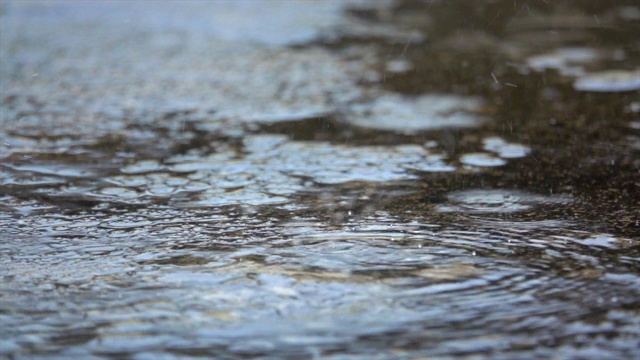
(199, 280)
(270, 170)
(145, 211)
(481, 160)
(568, 61)
(143, 167)
(412, 115)
(24, 207)
(609, 81)
(62, 170)
(504, 149)
(495, 201)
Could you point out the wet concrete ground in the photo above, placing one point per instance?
(340, 180)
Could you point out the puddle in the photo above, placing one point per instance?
(481, 159)
(609, 81)
(411, 115)
(568, 61)
(332, 180)
(496, 201)
(269, 169)
(504, 149)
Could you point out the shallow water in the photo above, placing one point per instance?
(363, 180)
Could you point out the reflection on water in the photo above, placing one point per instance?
(495, 201)
(428, 112)
(609, 81)
(388, 180)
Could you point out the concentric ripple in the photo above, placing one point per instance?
(328, 180)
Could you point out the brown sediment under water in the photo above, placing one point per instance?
(331, 180)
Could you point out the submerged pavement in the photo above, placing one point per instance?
(330, 179)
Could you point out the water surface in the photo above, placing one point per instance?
(335, 180)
